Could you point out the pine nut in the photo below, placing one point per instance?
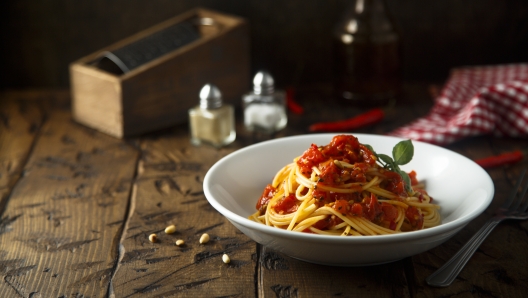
(204, 239)
(170, 229)
(153, 237)
(180, 242)
(226, 259)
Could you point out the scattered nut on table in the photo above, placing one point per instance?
(170, 229)
(180, 242)
(153, 237)
(226, 259)
(204, 239)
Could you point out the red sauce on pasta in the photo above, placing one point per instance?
(331, 173)
(348, 149)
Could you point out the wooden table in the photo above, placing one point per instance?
(77, 207)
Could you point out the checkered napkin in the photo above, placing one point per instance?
(475, 101)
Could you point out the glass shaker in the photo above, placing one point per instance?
(367, 55)
(212, 121)
(264, 107)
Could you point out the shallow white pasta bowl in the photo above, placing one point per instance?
(461, 188)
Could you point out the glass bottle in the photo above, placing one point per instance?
(367, 55)
(211, 121)
(264, 107)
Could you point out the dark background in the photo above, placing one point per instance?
(290, 38)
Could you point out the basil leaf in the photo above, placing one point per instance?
(406, 181)
(403, 152)
(371, 149)
(386, 159)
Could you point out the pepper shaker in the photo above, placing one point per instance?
(264, 107)
(212, 121)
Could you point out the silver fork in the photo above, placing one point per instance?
(511, 209)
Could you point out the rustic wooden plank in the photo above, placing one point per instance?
(169, 191)
(282, 276)
(21, 115)
(498, 268)
(19, 123)
(66, 213)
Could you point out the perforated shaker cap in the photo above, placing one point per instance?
(210, 97)
(263, 83)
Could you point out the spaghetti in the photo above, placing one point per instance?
(341, 189)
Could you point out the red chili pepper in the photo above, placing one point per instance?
(291, 103)
(501, 159)
(367, 118)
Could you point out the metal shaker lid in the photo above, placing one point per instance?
(263, 83)
(210, 97)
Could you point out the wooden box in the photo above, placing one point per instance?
(158, 93)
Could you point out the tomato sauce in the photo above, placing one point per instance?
(328, 222)
(412, 176)
(286, 204)
(326, 197)
(344, 148)
(394, 183)
(310, 158)
(414, 217)
(267, 194)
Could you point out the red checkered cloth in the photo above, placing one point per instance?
(475, 101)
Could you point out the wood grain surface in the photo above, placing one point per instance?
(61, 237)
(168, 190)
(77, 208)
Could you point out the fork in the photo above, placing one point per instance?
(511, 209)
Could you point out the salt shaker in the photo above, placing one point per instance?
(264, 107)
(212, 121)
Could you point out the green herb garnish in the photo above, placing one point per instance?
(402, 154)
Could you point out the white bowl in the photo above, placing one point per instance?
(461, 188)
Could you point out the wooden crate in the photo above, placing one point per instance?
(159, 93)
